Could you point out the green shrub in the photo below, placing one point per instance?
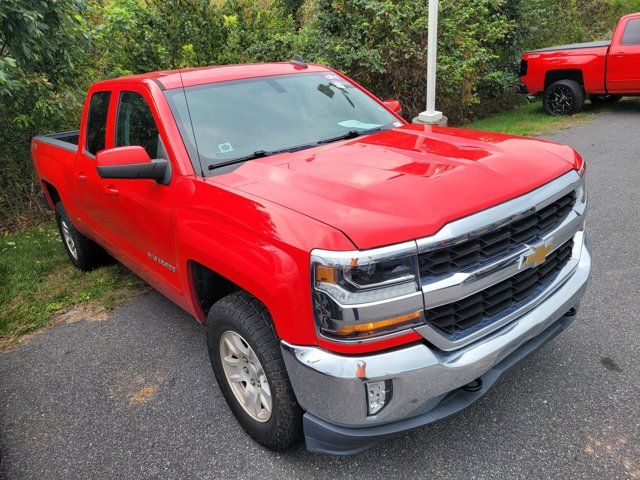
(43, 72)
(51, 50)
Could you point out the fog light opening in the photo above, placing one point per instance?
(473, 386)
(378, 395)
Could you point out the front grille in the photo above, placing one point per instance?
(462, 317)
(497, 242)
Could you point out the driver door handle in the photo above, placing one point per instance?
(82, 177)
(111, 190)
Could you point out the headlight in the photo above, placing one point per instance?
(366, 293)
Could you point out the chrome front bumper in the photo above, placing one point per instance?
(426, 382)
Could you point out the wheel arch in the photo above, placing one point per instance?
(207, 287)
(553, 76)
(51, 194)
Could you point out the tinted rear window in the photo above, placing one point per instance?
(97, 121)
(632, 33)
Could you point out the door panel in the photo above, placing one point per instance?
(139, 213)
(623, 63)
(88, 184)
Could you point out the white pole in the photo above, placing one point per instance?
(431, 115)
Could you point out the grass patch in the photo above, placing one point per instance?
(38, 282)
(530, 120)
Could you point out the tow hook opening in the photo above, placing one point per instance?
(473, 386)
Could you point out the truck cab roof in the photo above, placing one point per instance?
(168, 79)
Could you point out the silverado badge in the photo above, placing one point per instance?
(539, 255)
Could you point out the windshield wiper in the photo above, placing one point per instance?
(350, 134)
(264, 153)
(259, 154)
(233, 161)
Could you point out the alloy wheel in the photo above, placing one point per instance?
(561, 101)
(246, 376)
(68, 239)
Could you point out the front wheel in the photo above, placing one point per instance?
(247, 362)
(564, 97)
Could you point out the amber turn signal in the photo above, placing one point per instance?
(371, 327)
(326, 274)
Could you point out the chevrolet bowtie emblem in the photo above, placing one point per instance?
(538, 256)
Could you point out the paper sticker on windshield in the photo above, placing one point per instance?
(225, 147)
(356, 124)
(331, 76)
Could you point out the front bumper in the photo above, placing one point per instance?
(426, 382)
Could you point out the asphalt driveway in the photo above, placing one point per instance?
(134, 396)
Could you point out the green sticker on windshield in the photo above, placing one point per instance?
(225, 147)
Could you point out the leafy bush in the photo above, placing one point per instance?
(51, 50)
(43, 72)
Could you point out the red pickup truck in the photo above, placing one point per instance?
(567, 75)
(358, 276)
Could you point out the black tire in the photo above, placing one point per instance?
(565, 97)
(604, 99)
(243, 314)
(83, 252)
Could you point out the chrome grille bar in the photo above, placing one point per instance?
(461, 284)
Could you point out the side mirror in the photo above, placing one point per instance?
(132, 162)
(394, 106)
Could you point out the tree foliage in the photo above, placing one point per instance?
(43, 71)
(51, 50)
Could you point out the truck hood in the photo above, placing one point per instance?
(404, 183)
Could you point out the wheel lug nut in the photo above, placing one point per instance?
(253, 382)
(244, 359)
(246, 370)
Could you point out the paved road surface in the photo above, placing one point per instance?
(134, 396)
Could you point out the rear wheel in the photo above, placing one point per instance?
(83, 252)
(248, 364)
(600, 99)
(564, 97)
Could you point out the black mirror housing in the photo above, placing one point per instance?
(158, 170)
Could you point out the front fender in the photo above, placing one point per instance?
(263, 248)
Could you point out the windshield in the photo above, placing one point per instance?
(229, 122)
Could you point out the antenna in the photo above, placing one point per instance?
(298, 61)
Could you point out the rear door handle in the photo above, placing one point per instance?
(82, 177)
(621, 54)
(111, 190)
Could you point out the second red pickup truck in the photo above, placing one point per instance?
(567, 75)
(358, 276)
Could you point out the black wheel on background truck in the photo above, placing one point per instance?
(247, 362)
(564, 97)
(83, 252)
(600, 99)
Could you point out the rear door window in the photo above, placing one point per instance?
(97, 122)
(632, 33)
(135, 124)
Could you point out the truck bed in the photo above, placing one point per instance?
(574, 46)
(67, 140)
